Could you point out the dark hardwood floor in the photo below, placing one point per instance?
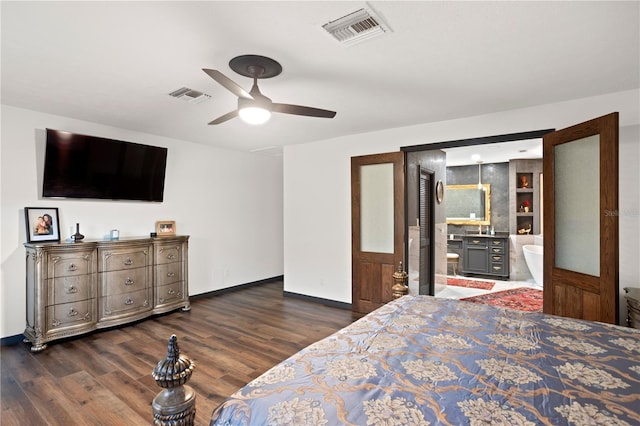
(105, 378)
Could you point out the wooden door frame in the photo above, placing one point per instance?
(431, 261)
(458, 143)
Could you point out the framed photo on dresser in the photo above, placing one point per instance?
(42, 224)
(165, 228)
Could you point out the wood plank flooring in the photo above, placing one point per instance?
(105, 378)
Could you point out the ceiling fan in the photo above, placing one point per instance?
(253, 106)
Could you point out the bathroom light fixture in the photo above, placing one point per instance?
(480, 175)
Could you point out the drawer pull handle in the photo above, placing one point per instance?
(171, 291)
(128, 281)
(171, 274)
(72, 312)
(128, 261)
(171, 256)
(497, 257)
(497, 268)
(72, 289)
(129, 301)
(496, 250)
(495, 243)
(73, 267)
(476, 241)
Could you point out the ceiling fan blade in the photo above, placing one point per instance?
(227, 83)
(228, 116)
(302, 110)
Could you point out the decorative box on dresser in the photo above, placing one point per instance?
(75, 288)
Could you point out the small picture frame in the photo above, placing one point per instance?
(165, 228)
(42, 224)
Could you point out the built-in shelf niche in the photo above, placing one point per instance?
(524, 188)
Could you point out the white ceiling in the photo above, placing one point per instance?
(494, 152)
(115, 62)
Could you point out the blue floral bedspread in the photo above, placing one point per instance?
(421, 360)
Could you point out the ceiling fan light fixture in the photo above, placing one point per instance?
(254, 115)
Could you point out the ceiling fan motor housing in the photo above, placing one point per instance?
(259, 101)
(254, 104)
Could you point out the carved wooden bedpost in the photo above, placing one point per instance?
(400, 277)
(176, 404)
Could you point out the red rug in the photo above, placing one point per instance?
(522, 299)
(460, 282)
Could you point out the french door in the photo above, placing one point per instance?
(580, 168)
(377, 228)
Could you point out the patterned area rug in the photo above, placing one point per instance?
(522, 299)
(460, 282)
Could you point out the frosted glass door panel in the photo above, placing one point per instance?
(577, 205)
(376, 208)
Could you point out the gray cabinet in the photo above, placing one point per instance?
(75, 288)
(485, 255)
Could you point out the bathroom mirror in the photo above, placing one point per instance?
(468, 205)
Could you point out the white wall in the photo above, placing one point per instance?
(229, 202)
(317, 206)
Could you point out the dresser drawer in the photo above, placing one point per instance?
(475, 242)
(70, 264)
(497, 243)
(497, 268)
(68, 314)
(124, 260)
(168, 253)
(169, 293)
(71, 289)
(168, 273)
(127, 281)
(137, 301)
(497, 258)
(496, 250)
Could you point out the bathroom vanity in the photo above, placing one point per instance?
(485, 255)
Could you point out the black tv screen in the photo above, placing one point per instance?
(80, 166)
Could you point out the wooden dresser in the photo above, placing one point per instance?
(75, 288)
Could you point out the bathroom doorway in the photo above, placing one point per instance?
(436, 157)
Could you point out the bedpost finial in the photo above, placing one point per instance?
(175, 405)
(400, 278)
(173, 351)
(175, 370)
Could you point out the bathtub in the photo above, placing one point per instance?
(533, 255)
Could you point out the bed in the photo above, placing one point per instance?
(421, 360)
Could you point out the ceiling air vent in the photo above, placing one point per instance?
(356, 27)
(189, 95)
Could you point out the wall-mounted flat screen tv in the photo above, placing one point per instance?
(80, 166)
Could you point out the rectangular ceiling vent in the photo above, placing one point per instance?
(189, 95)
(356, 27)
